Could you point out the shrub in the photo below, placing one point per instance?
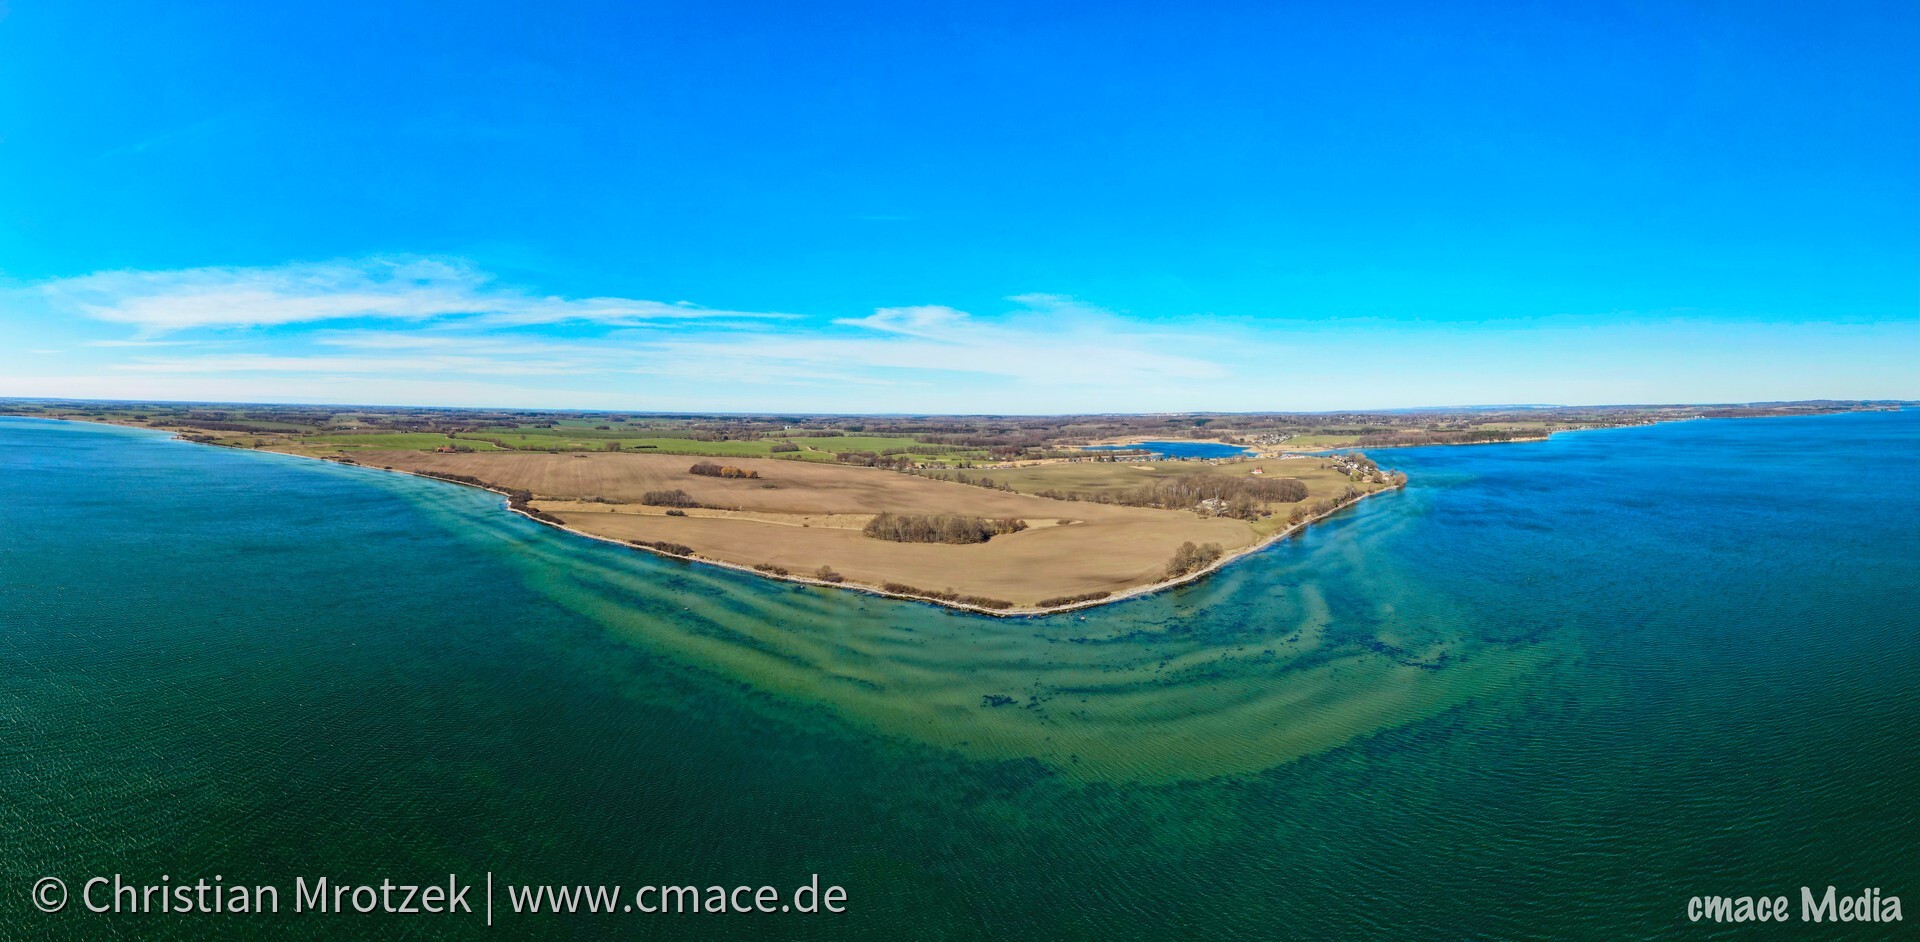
(826, 574)
(1072, 599)
(769, 567)
(672, 498)
(676, 513)
(979, 601)
(673, 549)
(779, 447)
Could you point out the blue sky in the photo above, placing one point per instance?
(961, 208)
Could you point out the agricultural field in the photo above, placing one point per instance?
(799, 516)
(1088, 480)
(849, 443)
(356, 441)
(574, 439)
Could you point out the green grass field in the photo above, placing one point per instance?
(414, 441)
(848, 443)
(577, 438)
(596, 441)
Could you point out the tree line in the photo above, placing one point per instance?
(1246, 498)
(672, 498)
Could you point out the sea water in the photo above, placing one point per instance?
(1549, 689)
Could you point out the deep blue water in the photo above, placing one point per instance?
(1550, 690)
(1179, 449)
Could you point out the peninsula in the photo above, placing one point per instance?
(1003, 515)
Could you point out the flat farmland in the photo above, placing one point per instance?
(783, 486)
(1095, 553)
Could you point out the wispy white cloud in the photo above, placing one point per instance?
(397, 366)
(420, 319)
(397, 289)
(138, 343)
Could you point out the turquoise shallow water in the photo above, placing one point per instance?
(1549, 690)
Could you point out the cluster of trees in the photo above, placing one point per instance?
(868, 459)
(940, 528)
(771, 568)
(672, 498)
(979, 601)
(1190, 558)
(709, 469)
(1072, 599)
(826, 574)
(778, 447)
(671, 549)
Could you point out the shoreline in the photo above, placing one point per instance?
(1132, 593)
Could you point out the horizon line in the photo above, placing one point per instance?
(685, 413)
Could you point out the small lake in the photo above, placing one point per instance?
(1180, 449)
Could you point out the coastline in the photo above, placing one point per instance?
(1132, 593)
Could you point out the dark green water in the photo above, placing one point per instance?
(1550, 690)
